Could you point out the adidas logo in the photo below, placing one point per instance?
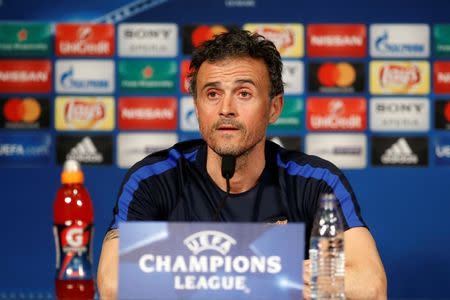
(85, 152)
(399, 153)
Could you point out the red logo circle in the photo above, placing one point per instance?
(447, 111)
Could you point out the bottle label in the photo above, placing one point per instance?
(73, 250)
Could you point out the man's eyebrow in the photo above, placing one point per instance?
(211, 84)
(240, 81)
(217, 83)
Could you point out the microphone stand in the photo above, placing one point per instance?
(228, 168)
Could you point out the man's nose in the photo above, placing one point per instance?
(227, 107)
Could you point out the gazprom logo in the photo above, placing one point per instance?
(68, 81)
(84, 76)
(209, 240)
(399, 40)
(383, 44)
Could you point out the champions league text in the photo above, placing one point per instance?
(149, 263)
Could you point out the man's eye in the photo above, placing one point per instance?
(245, 94)
(212, 94)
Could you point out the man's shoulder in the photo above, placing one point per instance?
(168, 157)
(296, 160)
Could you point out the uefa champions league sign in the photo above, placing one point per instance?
(161, 260)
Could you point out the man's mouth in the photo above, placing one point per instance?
(227, 128)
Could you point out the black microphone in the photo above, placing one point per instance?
(228, 168)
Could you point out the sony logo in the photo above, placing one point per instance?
(142, 33)
(399, 107)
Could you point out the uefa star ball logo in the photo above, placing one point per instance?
(209, 240)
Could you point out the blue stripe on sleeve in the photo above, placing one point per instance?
(343, 196)
(141, 174)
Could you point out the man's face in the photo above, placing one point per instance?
(233, 105)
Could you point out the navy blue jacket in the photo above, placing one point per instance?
(173, 185)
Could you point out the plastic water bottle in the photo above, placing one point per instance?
(73, 217)
(326, 252)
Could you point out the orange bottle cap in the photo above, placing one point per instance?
(72, 172)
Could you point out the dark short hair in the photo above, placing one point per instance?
(239, 43)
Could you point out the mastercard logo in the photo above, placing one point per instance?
(203, 33)
(447, 111)
(336, 74)
(26, 110)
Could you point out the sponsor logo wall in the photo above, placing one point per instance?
(147, 113)
(24, 113)
(340, 114)
(336, 77)
(87, 149)
(399, 114)
(442, 114)
(345, 150)
(84, 40)
(336, 40)
(66, 83)
(147, 40)
(394, 40)
(84, 113)
(400, 151)
(132, 147)
(399, 77)
(442, 151)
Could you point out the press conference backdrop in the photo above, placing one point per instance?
(367, 87)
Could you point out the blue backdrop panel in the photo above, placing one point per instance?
(406, 208)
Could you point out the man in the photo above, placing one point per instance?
(237, 87)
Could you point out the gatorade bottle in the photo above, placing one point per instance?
(73, 217)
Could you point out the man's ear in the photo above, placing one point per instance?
(195, 107)
(276, 107)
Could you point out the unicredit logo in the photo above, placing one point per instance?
(84, 39)
(337, 40)
(335, 123)
(383, 44)
(335, 119)
(336, 113)
(399, 75)
(84, 45)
